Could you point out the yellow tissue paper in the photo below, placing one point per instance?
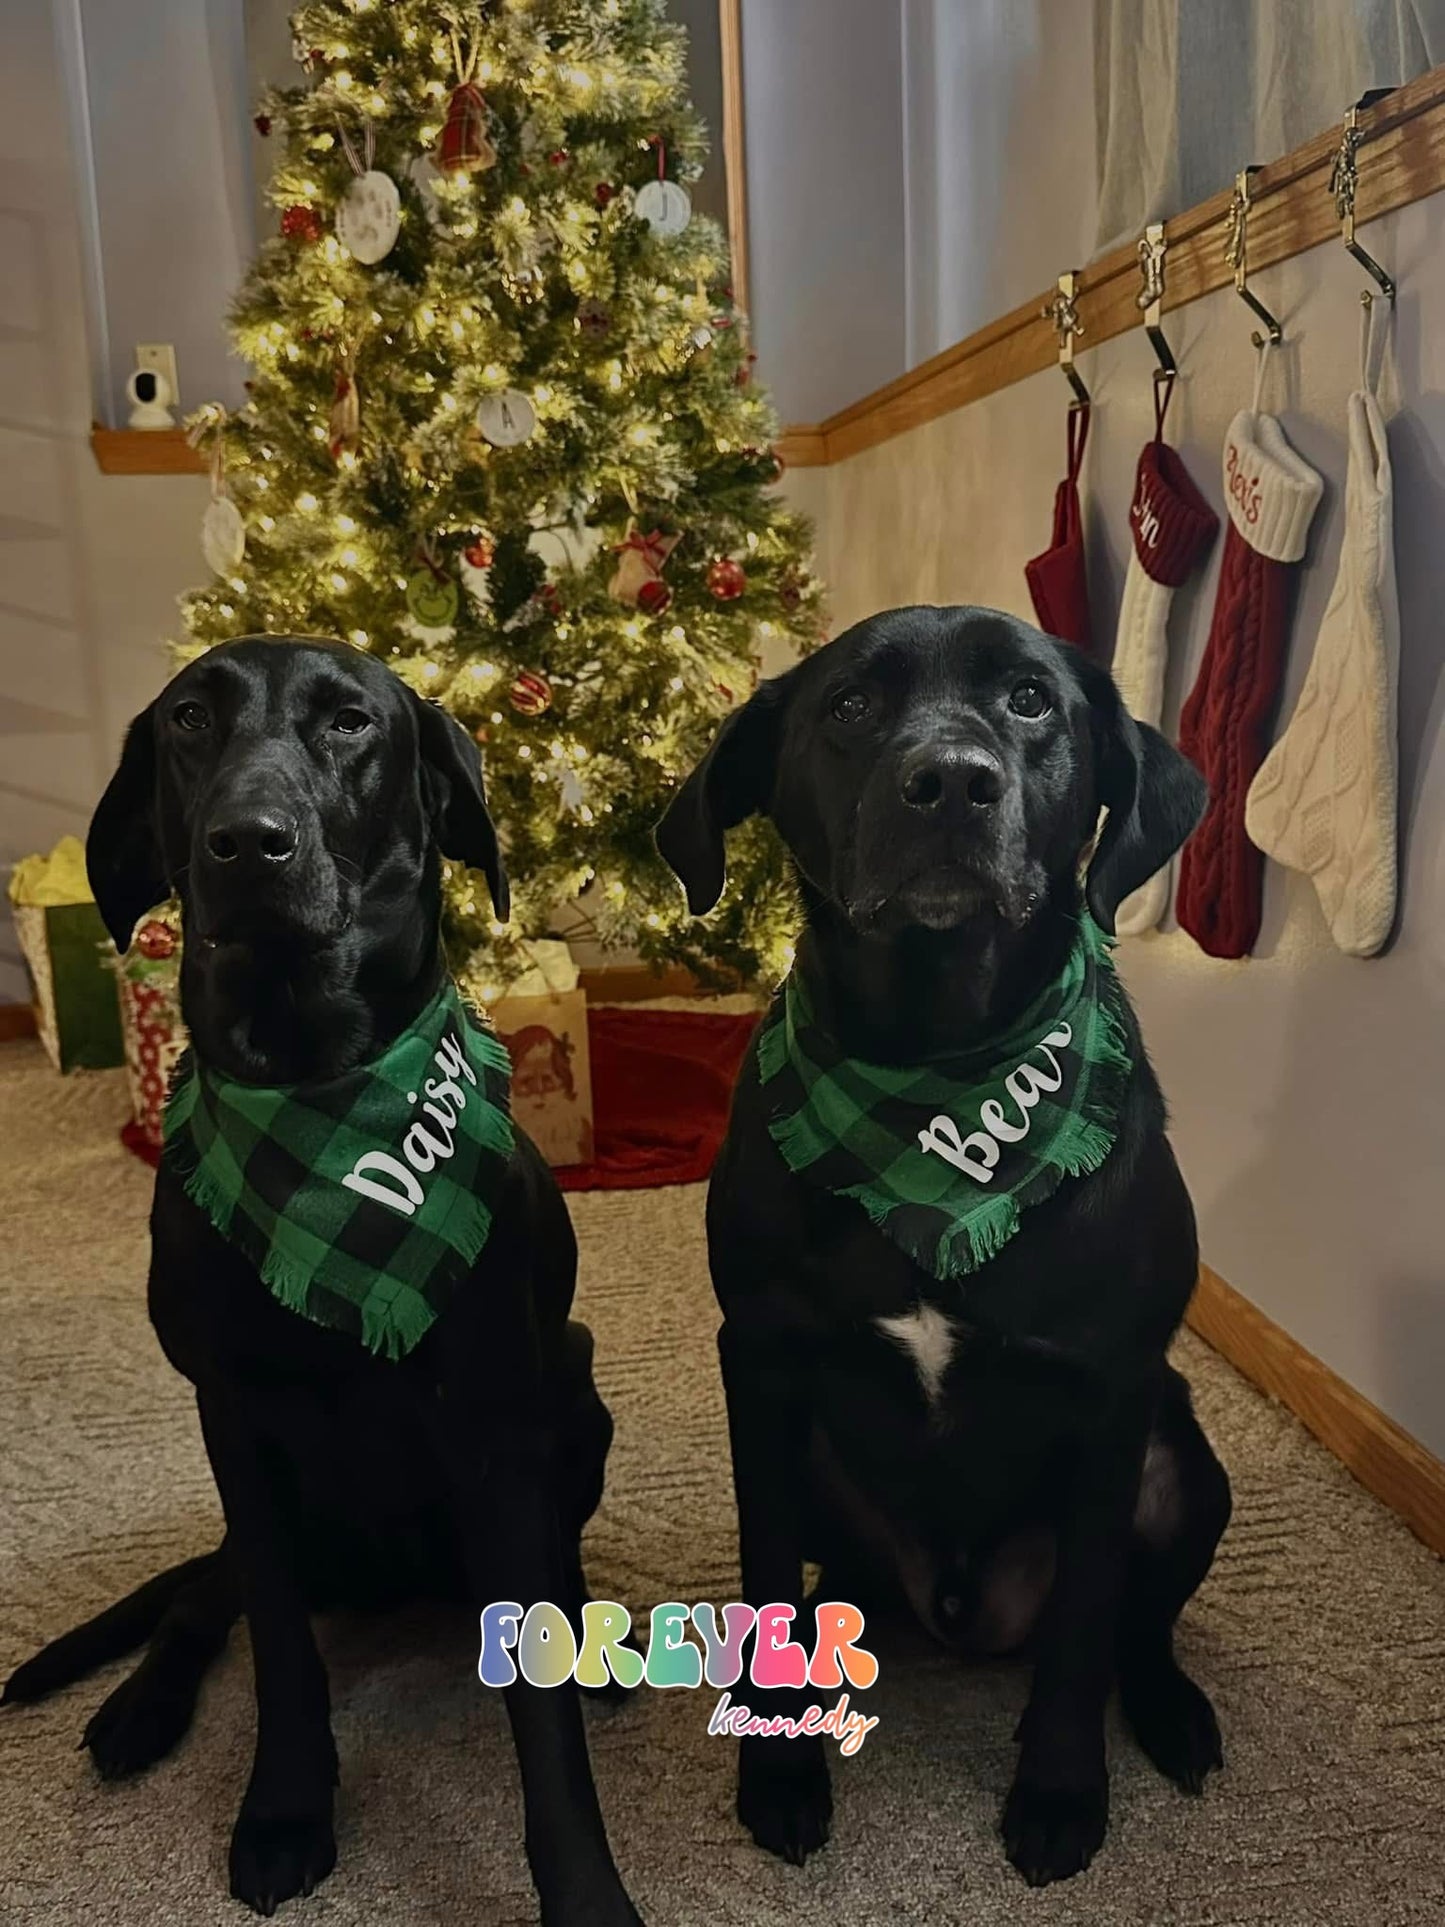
(55, 879)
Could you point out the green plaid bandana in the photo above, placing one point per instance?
(361, 1201)
(945, 1155)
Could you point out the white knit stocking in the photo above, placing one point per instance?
(1324, 800)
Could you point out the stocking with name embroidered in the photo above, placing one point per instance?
(1173, 528)
(1271, 494)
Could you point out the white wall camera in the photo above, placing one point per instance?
(151, 398)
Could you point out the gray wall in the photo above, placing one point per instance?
(89, 565)
(1307, 1088)
(822, 86)
(167, 101)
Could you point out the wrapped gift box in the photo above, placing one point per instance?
(66, 949)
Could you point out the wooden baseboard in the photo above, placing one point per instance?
(16, 1020)
(1384, 1458)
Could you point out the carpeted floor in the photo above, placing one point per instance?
(1321, 1635)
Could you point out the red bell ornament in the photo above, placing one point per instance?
(654, 598)
(466, 146)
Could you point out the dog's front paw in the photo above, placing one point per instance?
(784, 1797)
(275, 1856)
(138, 1724)
(1175, 1724)
(1053, 1832)
(607, 1908)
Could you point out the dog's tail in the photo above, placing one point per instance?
(111, 1634)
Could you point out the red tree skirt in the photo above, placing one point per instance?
(662, 1081)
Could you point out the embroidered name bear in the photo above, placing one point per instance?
(446, 1100)
(978, 1153)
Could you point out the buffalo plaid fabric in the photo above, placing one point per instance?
(944, 1155)
(268, 1165)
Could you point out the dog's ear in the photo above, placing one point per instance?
(451, 777)
(122, 847)
(732, 782)
(1154, 795)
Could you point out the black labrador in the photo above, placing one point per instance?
(1010, 1453)
(299, 798)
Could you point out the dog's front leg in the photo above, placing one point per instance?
(282, 1843)
(1057, 1810)
(784, 1797)
(505, 1490)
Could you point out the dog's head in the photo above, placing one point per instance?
(281, 788)
(933, 767)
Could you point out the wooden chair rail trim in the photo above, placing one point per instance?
(1401, 160)
(1390, 1464)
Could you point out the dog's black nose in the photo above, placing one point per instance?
(936, 772)
(260, 839)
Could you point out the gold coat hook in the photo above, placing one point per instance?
(1064, 313)
(1236, 254)
(1151, 298)
(1344, 183)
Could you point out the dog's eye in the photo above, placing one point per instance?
(191, 716)
(351, 722)
(1030, 699)
(851, 705)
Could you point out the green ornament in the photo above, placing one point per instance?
(431, 600)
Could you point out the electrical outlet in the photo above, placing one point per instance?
(160, 358)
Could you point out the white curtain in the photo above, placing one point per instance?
(1189, 91)
(998, 121)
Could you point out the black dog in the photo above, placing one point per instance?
(1010, 1448)
(299, 798)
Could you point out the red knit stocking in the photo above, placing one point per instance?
(1058, 579)
(1271, 495)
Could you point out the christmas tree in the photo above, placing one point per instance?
(502, 432)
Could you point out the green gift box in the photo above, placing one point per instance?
(65, 948)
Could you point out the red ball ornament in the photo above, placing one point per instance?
(479, 552)
(726, 578)
(301, 223)
(654, 598)
(559, 157)
(531, 693)
(603, 193)
(155, 940)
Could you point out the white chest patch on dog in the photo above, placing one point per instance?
(929, 1339)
